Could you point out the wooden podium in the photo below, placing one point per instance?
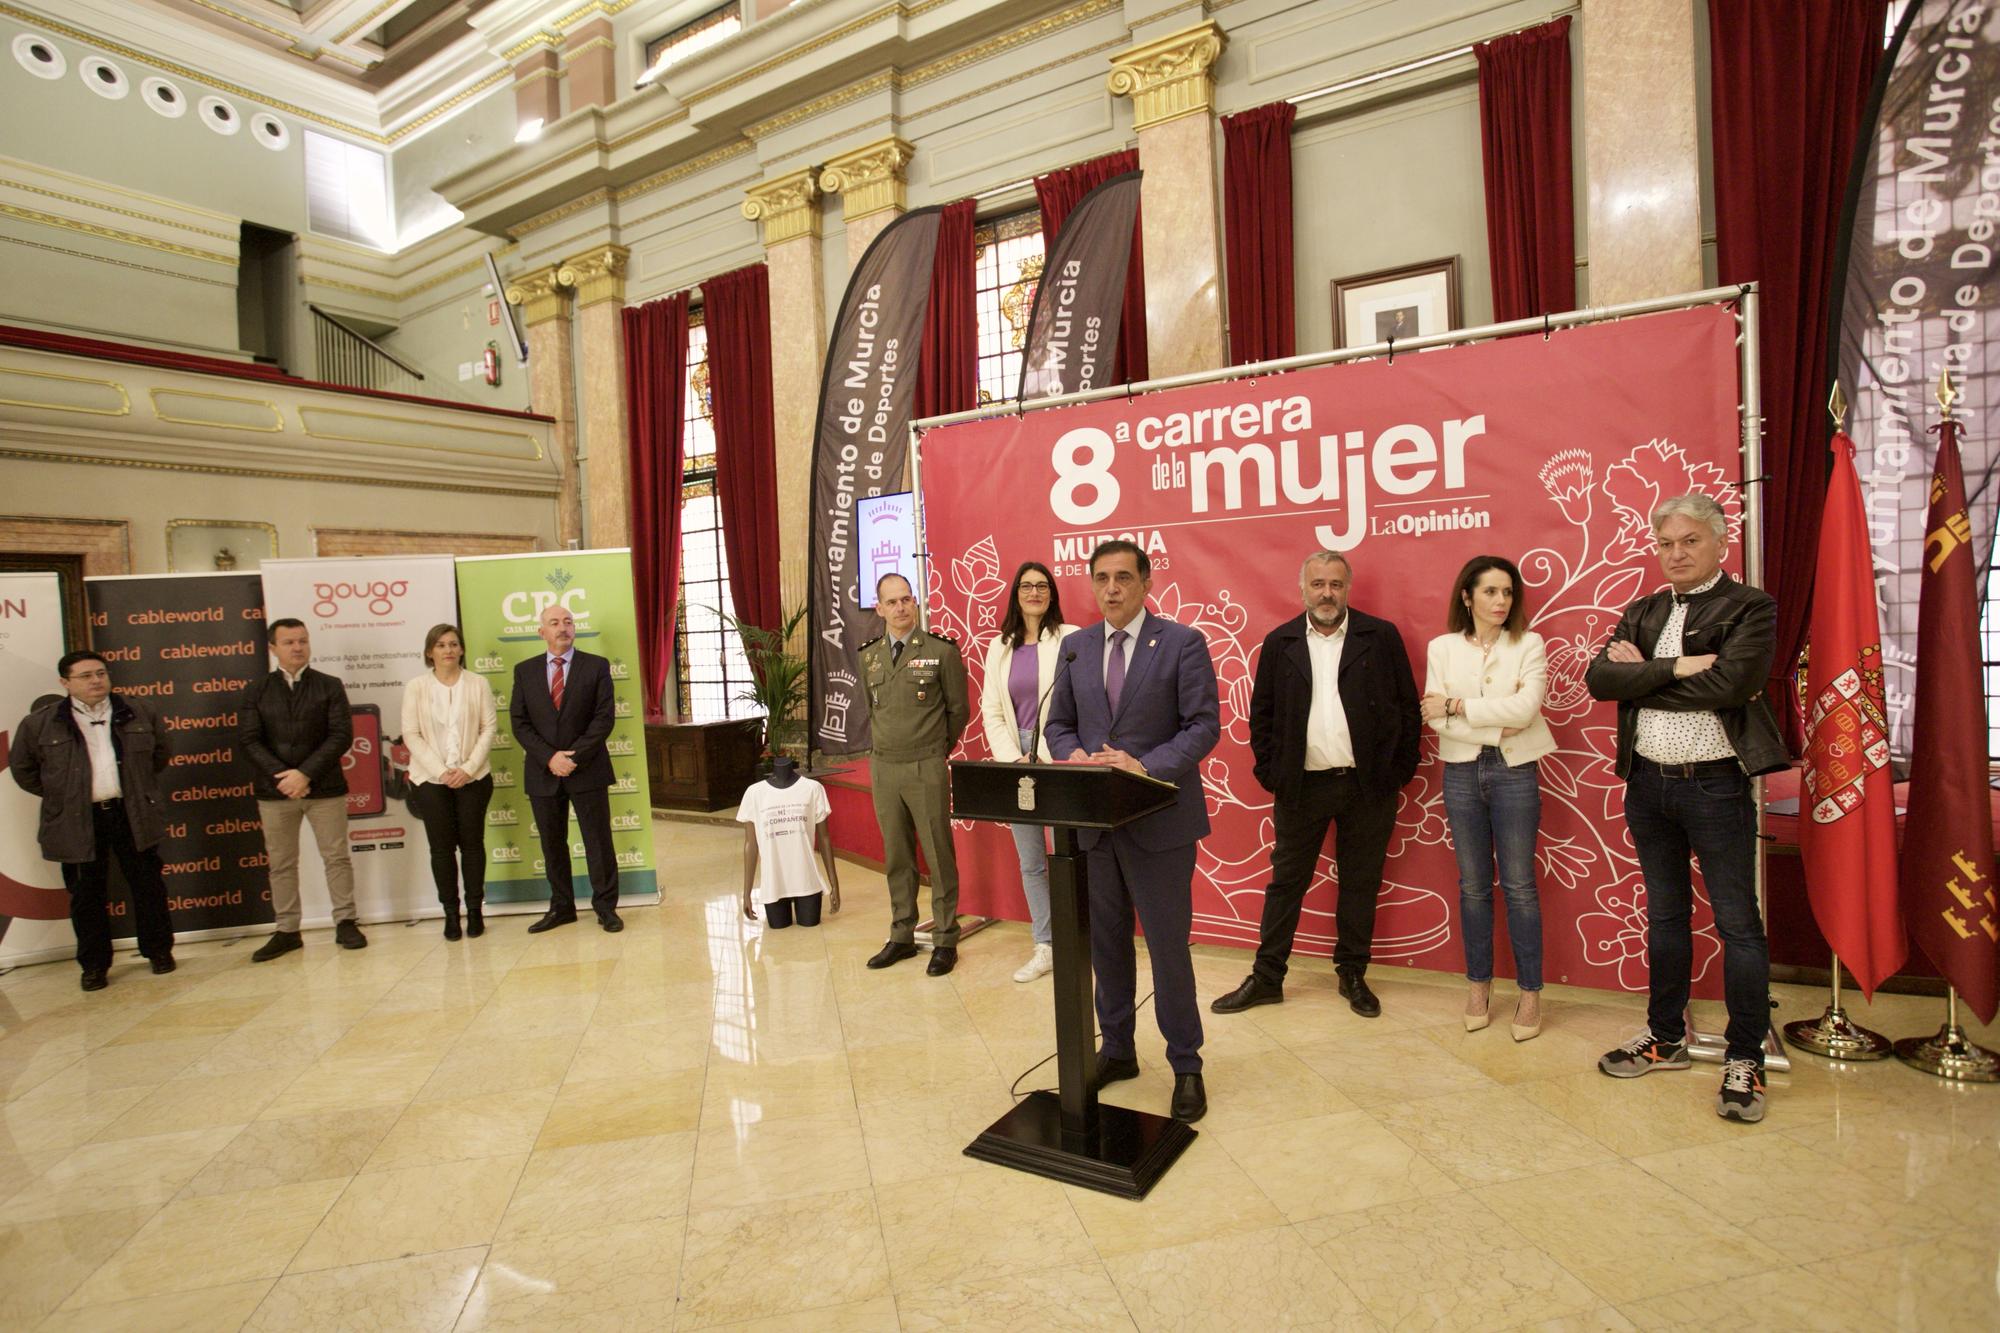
(1069, 1136)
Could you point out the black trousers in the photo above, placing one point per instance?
(593, 821)
(1362, 824)
(782, 913)
(455, 823)
(88, 883)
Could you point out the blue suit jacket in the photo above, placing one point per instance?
(1168, 718)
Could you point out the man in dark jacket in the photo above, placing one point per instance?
(562, 712)
(95, 760)
(294, 728)
(1335, 732)
(1687, 668)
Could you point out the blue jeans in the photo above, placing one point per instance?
(1496, 810)
(1710, 816)
(1031, 844)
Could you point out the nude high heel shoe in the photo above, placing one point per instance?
(1481, 995)
(1527, 1031)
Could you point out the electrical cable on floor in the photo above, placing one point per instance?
(1015, 1091)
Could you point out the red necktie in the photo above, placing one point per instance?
(556, 686)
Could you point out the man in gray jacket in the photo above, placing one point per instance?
(94, 759)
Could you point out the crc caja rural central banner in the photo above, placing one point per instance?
(502, 597)
(1551, 452)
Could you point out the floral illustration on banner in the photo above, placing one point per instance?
(1595, 557)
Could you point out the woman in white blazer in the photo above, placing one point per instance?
(1020, 667)
(1488, 674)
(448, 726)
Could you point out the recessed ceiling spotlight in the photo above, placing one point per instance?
(269, 131)
(104, 78)
(39, 56)
(164, 98)
(219, 116)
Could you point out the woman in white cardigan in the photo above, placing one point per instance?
(448, 726)
(1020, 667)
(1488, 674)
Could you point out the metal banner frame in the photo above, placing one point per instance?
(1750, 414)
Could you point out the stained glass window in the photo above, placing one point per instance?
(1006, 265)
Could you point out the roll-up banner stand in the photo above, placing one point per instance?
(367, 617)
(34, 907)
(503, 597)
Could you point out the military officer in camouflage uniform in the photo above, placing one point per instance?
(917, 706)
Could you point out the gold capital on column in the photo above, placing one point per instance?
(598, 274)
(1170, 77)
(787, 206)
(539, 293)
(870, 177)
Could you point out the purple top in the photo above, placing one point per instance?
(1023, 675)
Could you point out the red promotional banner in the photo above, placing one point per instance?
(1551, 452)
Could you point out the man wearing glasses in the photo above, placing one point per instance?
(94, 759)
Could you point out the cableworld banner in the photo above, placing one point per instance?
(1549, 451)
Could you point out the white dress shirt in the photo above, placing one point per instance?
(1328, 742)
(1132, 631)
(445, 714)
(95, 724)
(292, 677)
(1681, 738)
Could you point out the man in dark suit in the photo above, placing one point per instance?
(1138, 693)
(562, 712)
(1335, 732)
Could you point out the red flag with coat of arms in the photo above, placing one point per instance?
(1847, 813)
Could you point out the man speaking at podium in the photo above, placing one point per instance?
(1138, 693)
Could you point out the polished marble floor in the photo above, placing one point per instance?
(696, 1124)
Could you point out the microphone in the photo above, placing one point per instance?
(1069, 655)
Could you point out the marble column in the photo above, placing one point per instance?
(551, 386)
(870, 183)
(537, 89)
(589, 64)
(598, 278)
(1640, 152)
(1172, 87)
(788, 208)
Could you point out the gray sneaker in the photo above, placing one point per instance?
(1742, 1094)
(1642, 1055)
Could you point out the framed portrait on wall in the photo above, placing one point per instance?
(1405, 302)
(196, 544)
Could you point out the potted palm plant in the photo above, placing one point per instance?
(777, 681)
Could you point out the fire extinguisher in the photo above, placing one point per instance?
(489, 360)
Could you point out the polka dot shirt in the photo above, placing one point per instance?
(1681, 738)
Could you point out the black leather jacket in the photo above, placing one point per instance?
(1739, 625)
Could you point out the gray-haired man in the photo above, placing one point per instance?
(1687, 667)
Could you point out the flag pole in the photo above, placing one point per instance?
(1948, 1053)
(1833, 1034)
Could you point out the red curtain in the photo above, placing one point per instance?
(1257, 231)
(948, 365)
(736, 308)
(656, 347)
(1059, 192)
(1524, 145)
(1790, 87)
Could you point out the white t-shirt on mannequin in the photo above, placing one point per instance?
(785, 820)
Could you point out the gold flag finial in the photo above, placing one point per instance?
(1947, 392)
(1836, 407)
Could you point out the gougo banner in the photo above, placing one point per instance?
(1551, 452)
(501, 598)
